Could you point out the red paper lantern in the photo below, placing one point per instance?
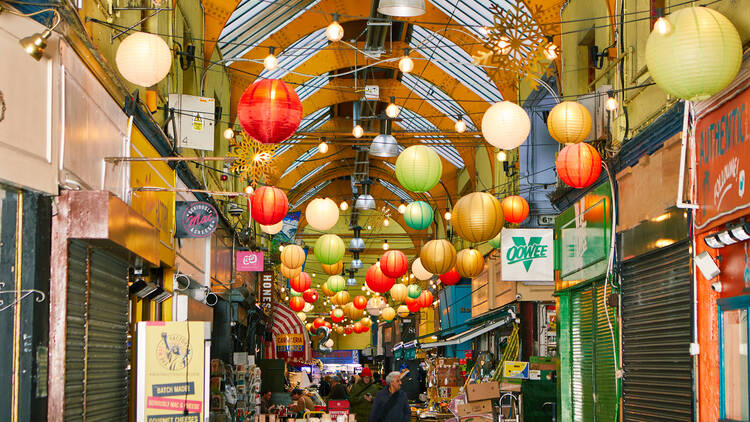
(297, 304)
(337, 315)
(515, 209)
(377, 281)
(327, 324)
(348, 329)
(578, 165)
(394, 264)
(269, 111)
(310, 295)
(451, 278)
(358, 327)
(364, 329)
(408, 301)
(413, 306)
(359, 302)
(268, 205)
(301, 282)
(425, 299)
(319, 322)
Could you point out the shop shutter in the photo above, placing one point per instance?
(582, 344)
(606, 388)
(657, 315)
(96, 382)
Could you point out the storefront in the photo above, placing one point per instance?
(588, 327)
(722, 252)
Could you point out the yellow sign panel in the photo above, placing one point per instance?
(514, 369)
(156, 207)
(172, 371)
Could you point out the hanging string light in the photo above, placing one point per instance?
(502, 156)
(460, 125)
(406, 64)
(385, 245)
(344, 205)
(611, 103)
(550, 50)
(228, 133)
(662, 26)
(271, 62)
(448, 215)
(357, 131)
(386, 222)
(402, 208)
(323, 147)
(335, 32)
(249, 190)
(392, 110)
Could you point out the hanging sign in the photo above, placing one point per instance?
(266, 291)
(290, 346)
(527, 255)
(722, 164)
(173, 371)
(195, 219)
(249, 261)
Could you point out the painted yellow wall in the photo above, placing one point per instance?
(351, 341)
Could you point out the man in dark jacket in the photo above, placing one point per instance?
(338, 390)
(325, 386)
(362, 394)
(391, 404)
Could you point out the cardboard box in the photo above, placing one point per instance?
(483, 391)
(475, 408)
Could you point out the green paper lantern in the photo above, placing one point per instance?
(414, 291)
(329, 249)
(495, 241)
(698, 57)
(336, 283)
(293, 293)
(418, 168)
(418, 215)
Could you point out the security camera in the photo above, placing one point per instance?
(234, 209)
(717, 286)
(518, 297)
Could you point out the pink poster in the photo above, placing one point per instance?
(249, 261)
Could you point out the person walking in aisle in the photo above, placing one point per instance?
(391, 404)
(362, 394)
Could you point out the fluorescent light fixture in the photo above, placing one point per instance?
(713, 242)
(741, 232)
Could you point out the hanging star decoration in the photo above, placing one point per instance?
(253, 159)
(516, 47)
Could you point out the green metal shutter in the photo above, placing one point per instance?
(582, 345)
(657, 316)
(75, 333)
(606, 387)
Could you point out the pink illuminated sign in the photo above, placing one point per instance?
(249, 261)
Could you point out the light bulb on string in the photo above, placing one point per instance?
(386, 222)
(281, 248)
(402, 208)
(271, 62)
(392, 111)
(406, 64)
(611, 103)
(502, 156)
(323, 147)
(344, 205)
(357, 131)
(662, 26)
(249, 189)
(385, 245)
(460, 125)
(335, 32)
(228, 133)
(550, 50)
(448, 215)
(504, 45)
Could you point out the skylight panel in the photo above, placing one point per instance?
(297, 53)
(473, 14)
(301, 160)
(309, 194)
(396, 190)
(309, 175)
(312, 86)
(436, 97)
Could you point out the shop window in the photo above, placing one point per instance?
(735, 400)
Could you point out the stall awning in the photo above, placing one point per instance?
(471, 333)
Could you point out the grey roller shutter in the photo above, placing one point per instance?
(75, 333)
(657, 315)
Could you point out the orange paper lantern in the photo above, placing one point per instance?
(425, 299)
(413, 306)
(301, 282)
(333, 269)
(394, 264)
(297, 304)
(268, 206)
(515, 209)
(319, 322)
(337, 315)
(450, 278)
(438, 256)
(269, 111)
(292, 256)
(469, 263)
(578, 165)
(310, 295)
(359, 302)
(377, 281)
(358, 327)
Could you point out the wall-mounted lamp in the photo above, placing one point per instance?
(730, 236)
(36, 43)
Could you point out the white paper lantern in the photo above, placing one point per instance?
(322, 214)
(375, 305)
(419, 271)
(505, 125)
(272, 229)
(143, 59)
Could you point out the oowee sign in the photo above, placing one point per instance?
(527, 254)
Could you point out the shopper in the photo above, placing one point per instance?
(362, 394)
(265, 402)
(324, 389)
(300, 402)
(338, 389)
(391, 404)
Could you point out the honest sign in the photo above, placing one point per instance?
(527, 255)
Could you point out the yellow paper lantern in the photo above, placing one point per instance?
(322, 214)
(333, 269)
(339, 329)
(398, 292)
(143, 59)
(290, 272)
(469, 263)
(419, 272)
(341, 298)
(292, 256)
(367, 322)
(477, 217)
(438, 256)
(326, 291)
(403, 311)
(569, 122)
(352, 312)
(389, 313)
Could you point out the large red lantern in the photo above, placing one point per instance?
(578, 165)
(310, 295)
(425, 299)
(413, 306)
(515, 209)
(359, 302)
(358, 327)
(337, 315)
(348, 329)
(394, 264)
(377, 281)
(409, 301)
(301, 282)
(319, 322)
(269, 111)
(451, 278)
(269, 205)
(297, 304)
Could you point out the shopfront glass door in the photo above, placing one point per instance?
(735, 400)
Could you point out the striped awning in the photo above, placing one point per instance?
(291, 340)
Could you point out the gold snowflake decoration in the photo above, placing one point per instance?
(252, 158)
(516, 46)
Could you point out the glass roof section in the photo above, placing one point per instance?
(413, 122)
(446, 55)
(297, 53)
(310, 123)
(310, 174)
(309, 194)
(396, 190)
(312, 86)
(436, 98)
(301, 160)
(253, 21)
(473, 14)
